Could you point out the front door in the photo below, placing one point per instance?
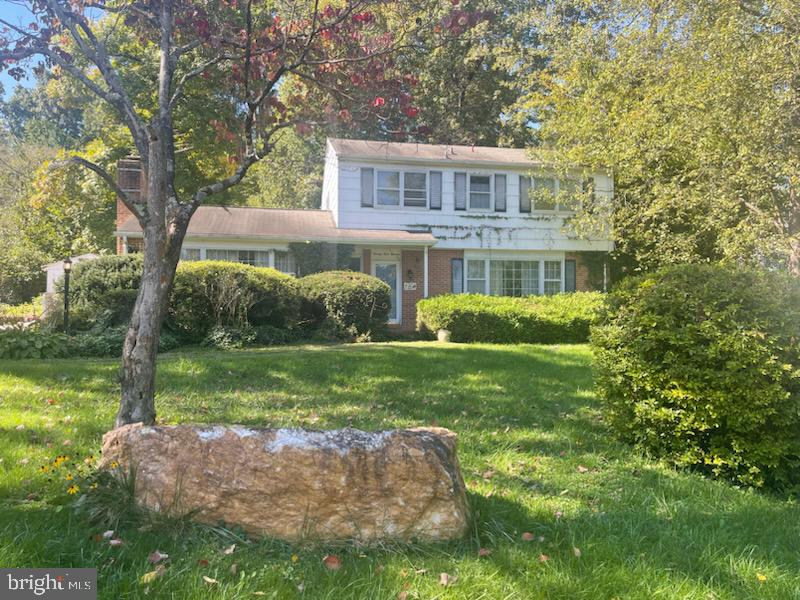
(389, 272)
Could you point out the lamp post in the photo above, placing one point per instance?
(67, 269)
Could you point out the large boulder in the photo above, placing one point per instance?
(299, 484)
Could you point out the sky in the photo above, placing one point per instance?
(14, 13)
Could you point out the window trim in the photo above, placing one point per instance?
(378, 189)
(470, 175)
(424, 188)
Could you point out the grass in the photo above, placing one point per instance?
(525, 413)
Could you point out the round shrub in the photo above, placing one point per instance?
(353, 304)
(559, 319)
(700, 364)
(212, 294)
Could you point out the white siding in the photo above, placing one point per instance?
(471, 229)
(330, 184)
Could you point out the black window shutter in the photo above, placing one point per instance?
(367, 186)
(457, 275)
(500, 193)
(569, 275)
(524, 194)
(436, 190)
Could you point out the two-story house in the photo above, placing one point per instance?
(426, 219)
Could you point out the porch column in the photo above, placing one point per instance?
(425, 272)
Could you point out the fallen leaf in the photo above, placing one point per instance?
(543, 558)
(420, 571)
(447, 579)
(20, 427)
(332, 562)
(379, 569)
(484, 552)
(528, 537)
(115, 542)
(67, 443)
(107, 535)
(229, 550)
(234, 568)
(402, 595)
(152, 575)
(576, 552)
(488, 474)
(582, 469)
(156, 557)
(558, 514)
(259, 594)
(202, 562)
(301, 587)
(209, 580)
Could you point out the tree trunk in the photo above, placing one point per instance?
(164, 226)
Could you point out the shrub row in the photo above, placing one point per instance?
(563, 318)
(224, 304)
(700, 364)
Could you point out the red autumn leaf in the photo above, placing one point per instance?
(202, 562)
(412, 111)
(528, 537)
(332, 562)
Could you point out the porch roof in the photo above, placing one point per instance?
(228, 222)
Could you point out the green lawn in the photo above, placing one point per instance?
(606, 523)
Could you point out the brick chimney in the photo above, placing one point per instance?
(130, 178)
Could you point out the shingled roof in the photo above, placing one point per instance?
(405, 151)
(282, 225)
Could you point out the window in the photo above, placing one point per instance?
(284, 262)
(476, 276)
(500, 193)
(258, 258)
(354, 264)
(457, 275)
(190, 253)
(545, 193)
(367, 183)
(524, 194)
(460, 189)
(436, 190)
(415, 189)
(570, 269)
(480, 191)
(567, 191)
(552, 277)
(514, 277)
(389, 188)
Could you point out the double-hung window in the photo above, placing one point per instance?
(480, 192)
(476, 276)
(415, 189)
(388, 188)
(552, 277)
(544, 193)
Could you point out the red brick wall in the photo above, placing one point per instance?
(439, 280)
(132, 182)
(439, 271)
(583, 276)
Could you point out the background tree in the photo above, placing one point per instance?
(261, 68)
(695, 106)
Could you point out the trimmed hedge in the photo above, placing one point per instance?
(211, 294)
(559, 319)
(352, 304)
(700, 365)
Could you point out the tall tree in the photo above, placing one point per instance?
(695, 105)
(265, 65)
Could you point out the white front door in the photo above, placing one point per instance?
(389, 272)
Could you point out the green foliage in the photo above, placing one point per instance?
(559, 319)
(216, 293)
(700, 364)
(349, 303)
(693, 105)
(315, 257)
(31, 343)
(226, 337)
(108, 342)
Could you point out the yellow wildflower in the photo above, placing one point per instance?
(73, 489)
(761, 578)
(295, 558)
(68, 477)
(114, 464)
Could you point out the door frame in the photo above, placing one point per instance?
(398, 286)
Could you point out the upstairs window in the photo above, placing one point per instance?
(389, 188)
(415, 189)
(480, 192)
(367, 187)
(544, 189)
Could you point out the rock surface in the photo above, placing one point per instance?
(299, 484)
